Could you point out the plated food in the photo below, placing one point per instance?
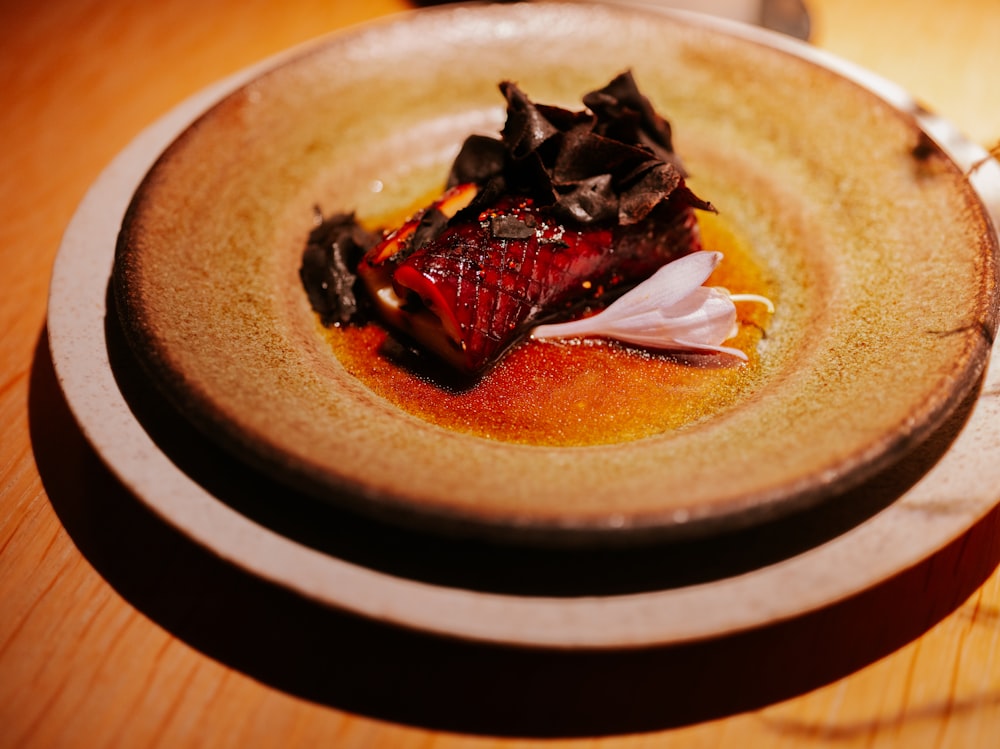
(569, 226)
(870, 242)
(564, 211)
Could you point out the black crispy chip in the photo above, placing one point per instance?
(614, 162)
(507, 226)
(480, 159)
(625, 114)
(432, 223)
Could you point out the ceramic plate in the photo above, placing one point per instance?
(929, 498)
(878, 254)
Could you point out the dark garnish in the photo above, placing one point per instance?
(329, 265)
(615, 162)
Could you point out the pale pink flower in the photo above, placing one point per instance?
(670, 310)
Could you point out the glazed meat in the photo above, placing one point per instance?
(478, 286)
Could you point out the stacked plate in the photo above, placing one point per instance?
(195, 366)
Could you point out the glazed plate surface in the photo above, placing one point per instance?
(881, 258)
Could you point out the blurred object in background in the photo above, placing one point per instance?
(787, 16)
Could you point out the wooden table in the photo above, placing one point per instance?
(116, 631)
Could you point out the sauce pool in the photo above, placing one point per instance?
(577, 393)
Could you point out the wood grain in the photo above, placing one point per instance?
(114, 631)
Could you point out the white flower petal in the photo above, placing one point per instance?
(670, 310)
(670, 285)
(707, 315)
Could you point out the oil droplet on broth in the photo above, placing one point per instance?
(576, 393)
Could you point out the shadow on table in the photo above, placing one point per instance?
(352, 664)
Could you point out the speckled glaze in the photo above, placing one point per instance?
(883, 259)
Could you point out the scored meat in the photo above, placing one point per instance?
(476, 288)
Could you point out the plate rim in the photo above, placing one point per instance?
(598, 622)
